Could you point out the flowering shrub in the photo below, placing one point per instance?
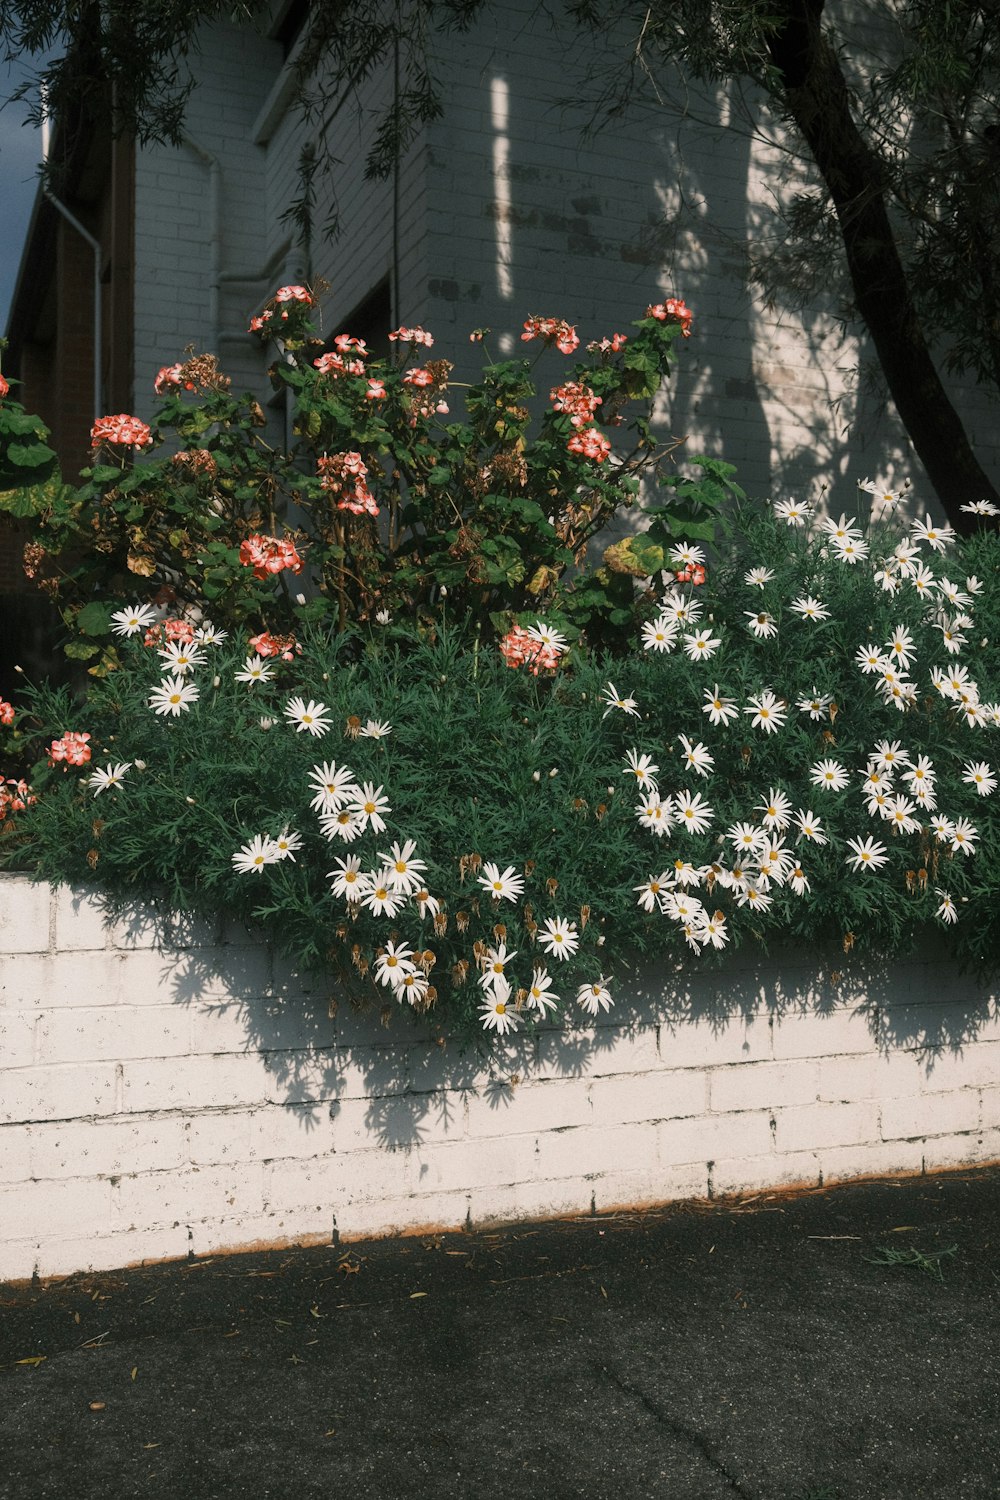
(392, 492)
(802, 745)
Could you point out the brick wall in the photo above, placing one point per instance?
(157, 1100)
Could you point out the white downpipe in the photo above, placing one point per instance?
(215, 236)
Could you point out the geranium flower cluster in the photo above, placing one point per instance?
(269, 554)
(577, 400)
(338, 362)
(554, 331)
(346, 476)
(121, 431)
(6, 713)
(266, 644)
(279, 309)
(171, 378)
(538, 647)
(71, 748)
(412, 336)
(15, 795)
(673, 310)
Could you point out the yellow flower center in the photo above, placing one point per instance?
(500, 1008)
(369, 807)
(401, 867)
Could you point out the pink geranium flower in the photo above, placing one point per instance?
(124, 430)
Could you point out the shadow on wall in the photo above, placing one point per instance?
(319, 1049)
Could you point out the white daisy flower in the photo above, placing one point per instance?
(700, 645)
(935, 536)
(696, 757)
(720, 710)
(963, 836)
(776, 809)
(881, 493)
(655, 813)
(332, 785)
(311, 716)
(380, 898)
(393, 963)
(494, 963)
(559, 938)
(497, 1013)
(809, 608)
(850, 550)
(792, 512)
(595, 997)
(651, 892)
(758, 578)
(660, 634)
(900, 647)
(369, 804)
(502, 886)
(810, 826)
(947, 911)
(686, 555)
(642, 768)
(843, 530)
(348, 881)
(173, 696)
(889, 755)
(980, 775)
(102, 780)
(871, 659)
(404, 871)
(131, 621)
(286, 842)
(412, 988)
(540, 996)
(255, 669)
(868, 854)
(761, 624)
(817, 707)
(923, 581)
(375, 729)
(180, 656)
(767, 712)
(252, 858)
(747, 838)
(614, 699)
(546, 636)
(346, 824)
(829, 775)
(210, 635)
(692, 812)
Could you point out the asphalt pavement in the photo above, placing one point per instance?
(842, 1344)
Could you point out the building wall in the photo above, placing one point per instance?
(193, 222)
(157, 1101)
(527, 214)
(505, 207)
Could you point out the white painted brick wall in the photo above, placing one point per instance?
(142, 1116)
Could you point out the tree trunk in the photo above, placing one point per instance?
(816, 99)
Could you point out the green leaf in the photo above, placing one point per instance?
(94, 619)
(81, 650)
(30, 456)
